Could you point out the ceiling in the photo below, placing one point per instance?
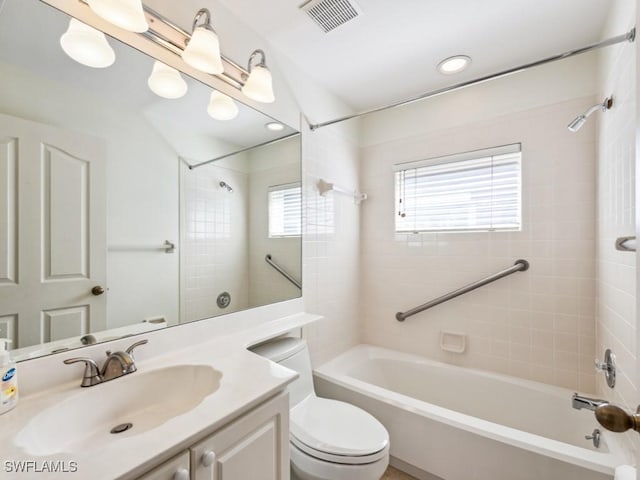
(390, 52)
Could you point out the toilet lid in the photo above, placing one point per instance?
(336, 428)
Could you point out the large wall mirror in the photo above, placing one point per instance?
(105, 230)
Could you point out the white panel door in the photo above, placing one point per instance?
(52, 232)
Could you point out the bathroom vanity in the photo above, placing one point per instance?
(198, 411)
(256, 445)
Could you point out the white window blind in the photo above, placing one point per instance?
(478, 191)
(285, 210)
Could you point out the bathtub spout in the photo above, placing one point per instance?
(579, 402)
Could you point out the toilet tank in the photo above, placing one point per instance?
(294, 354)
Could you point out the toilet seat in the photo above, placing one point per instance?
(337, 432)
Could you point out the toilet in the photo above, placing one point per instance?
(329, 439)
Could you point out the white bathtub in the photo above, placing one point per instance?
(464, 424)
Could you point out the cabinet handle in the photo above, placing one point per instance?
(181, 474)
(208, 458)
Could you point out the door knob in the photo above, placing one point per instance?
(616, 419)
(97, 290)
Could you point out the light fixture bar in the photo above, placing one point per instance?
(264, 144)
(173, 38)
(627, 37)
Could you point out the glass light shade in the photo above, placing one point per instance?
(166, 82)
(222, 107)
(86, 45)
(127, 14)
(203, 51)
(259, 85)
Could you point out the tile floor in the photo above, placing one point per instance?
(395, 474)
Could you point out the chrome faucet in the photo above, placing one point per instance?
(116, 365)
(579, 402)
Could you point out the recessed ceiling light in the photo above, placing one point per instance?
(455, 64)
(274, 126)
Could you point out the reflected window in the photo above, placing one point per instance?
(285, 207)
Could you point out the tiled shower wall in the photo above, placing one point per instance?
(538, 324)
(616, 326)
(331, 242)
(214, 253)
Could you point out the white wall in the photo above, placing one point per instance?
(141, 178)
(538, 324)
(616, 311)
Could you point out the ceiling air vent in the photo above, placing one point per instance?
(330, 14)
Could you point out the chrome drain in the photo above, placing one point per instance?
(123, 427)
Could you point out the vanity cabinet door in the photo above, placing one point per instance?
(254, 447)
(175, 469)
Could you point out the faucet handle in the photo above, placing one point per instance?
(608, 367)
(135, 345)
(91, 374)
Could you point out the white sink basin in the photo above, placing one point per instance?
(146, 400)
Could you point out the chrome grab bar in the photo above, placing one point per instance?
(167, 247)
(282, 271)
(518, 266)
(626, 244)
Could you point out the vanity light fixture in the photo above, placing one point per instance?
(274, 126)
(455, 64)
(258, 84)
(222, 107)
(166, 82)
(126, 14)
(203, 48)
(86, 45)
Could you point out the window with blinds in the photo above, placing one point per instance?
(285, 210)
(473, 191)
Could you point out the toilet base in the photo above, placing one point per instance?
(306, 467)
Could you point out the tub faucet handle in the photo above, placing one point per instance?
(608, 367)
(594, 437)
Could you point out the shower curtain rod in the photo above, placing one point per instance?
(627, 37)
(206, 162)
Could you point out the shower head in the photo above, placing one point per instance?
(577, 123)
(227, 186)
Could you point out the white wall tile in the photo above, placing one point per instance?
(616, 324)
(529, 324)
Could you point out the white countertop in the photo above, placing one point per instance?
(247, 381)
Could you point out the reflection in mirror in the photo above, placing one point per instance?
(234, 213)
(98, 206)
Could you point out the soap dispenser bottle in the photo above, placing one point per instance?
(8, 379)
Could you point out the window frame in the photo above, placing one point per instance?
(486, 153)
